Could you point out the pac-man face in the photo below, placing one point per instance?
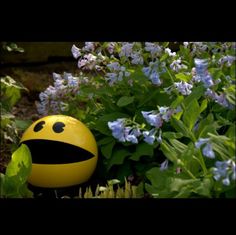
(63, 149)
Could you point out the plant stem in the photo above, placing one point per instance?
(202, 163)
(171, 77)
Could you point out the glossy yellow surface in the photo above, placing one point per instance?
(62, 175)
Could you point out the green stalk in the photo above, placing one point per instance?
(171, 77)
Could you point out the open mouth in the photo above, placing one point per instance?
(56, 152)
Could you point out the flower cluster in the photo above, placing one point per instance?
(51, 100)
(117, 73)
(201, 74)
(155, 118)
(225, 171)
(125, 130)
(124, 133)
(220, 99)
(153, 72)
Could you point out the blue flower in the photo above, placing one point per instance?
(75, 52)
(201, 73)
(153, 118)
(207, 151)
(155, 78)
(149, 136)
(118, 129)
(183, 87)
(227, 59)
(153, 48)
(224, 171)
(164, 165)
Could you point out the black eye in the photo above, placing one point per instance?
(39, 126)
(58, 127)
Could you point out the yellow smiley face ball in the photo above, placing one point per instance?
(64, 151)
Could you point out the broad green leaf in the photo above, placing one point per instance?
(124, 171)
(191, 114)
(105, 140)
(118, 157)
(107, 149)
(183, 77)
(125, 100)
(177, 184)
(203, 105)
(177, 102)
(181, 128)
(204, 188)
(142, 149)
(20, 164)
(195, 95)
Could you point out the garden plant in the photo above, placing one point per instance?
(163, 118)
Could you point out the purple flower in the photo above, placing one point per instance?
(89, 46)
(126, 49)
(76, 51)
(183, 87)
(224, 171)
(118, 128)
(137, 58)
(111, 47)
(201, 141)
(153, 48)
(227, 59)
(164, 165)
(202, 75)
(153, 118)
(207, 151)
(149, 136)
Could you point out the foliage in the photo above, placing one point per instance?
(13, 184)
(167, 118)
(10, 126)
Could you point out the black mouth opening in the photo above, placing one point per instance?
(56, 152)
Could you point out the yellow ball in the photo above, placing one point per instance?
(64, 151)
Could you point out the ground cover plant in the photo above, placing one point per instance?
(163, 119)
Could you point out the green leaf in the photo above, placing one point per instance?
(125, 100)
(142, 149)
(204, 188)
(118, 157)
(203, 105)
(183, 77)
(2, 179)
(105, 140)
(172, 135)
(195, 95)
(169, 151)
(23, 124)
(177, 184)
(180, 147)
(177, 102)
(20, 164)
(191, 114)
(107, 149)
(180, 127)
